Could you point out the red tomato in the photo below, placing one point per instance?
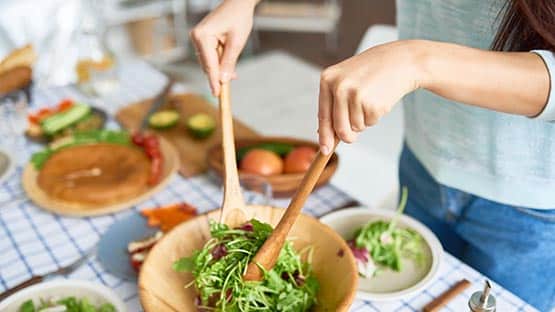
(65, 104)
(138, 139)
(299, 159)
(153, 152)
(151, 141)
(155, 170)
(262, 162)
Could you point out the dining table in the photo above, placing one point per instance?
(34, 241)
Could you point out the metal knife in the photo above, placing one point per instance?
(66, 270)
(158, 101)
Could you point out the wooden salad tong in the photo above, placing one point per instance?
(268, 254)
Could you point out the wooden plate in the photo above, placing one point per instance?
(161, 289)
(283, 185)
(43, 200)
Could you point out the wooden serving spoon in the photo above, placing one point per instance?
(267, 255)
(233, 207)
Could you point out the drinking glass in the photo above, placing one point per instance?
(13, 120)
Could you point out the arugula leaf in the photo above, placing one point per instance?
(184, 265)
(219, 266)
(27, 306)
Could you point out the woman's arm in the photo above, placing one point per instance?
(357, 92)
(509, 82)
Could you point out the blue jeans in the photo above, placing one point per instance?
(515, 246)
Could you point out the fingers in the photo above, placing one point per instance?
(356, 114)
(325, 126)
(231, 53)
(340, 113)
(206, 47)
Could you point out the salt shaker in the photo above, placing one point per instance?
(482, 301)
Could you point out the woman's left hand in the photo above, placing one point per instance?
(357, 92)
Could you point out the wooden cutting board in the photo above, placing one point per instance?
(192, 152)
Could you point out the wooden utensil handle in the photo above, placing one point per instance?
(267, 255)
(445, 297)
(30, 282)
(233, 199)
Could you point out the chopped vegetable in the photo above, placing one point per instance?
(166, 218)
(282, 149)
(68, 304)
(381, 244)
(61, 120)
(163, 119)
(219, 266)
(201, 125)
(151, 146)
(87, 137)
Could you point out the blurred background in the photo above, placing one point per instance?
(319, 31)
(88, 42)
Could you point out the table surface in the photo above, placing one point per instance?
(33, 241)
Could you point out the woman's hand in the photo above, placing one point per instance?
(229, 25)
(357, 92)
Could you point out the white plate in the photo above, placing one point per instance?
(390, 285)
(6, 166)
(96, 293)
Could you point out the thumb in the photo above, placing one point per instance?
(232, 49)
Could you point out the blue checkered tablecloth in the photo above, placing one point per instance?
(33, 241)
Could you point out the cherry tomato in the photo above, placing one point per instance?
(155, 170)
(138, 139)
(151, 141)
(153, 152)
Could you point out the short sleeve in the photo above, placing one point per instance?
(548, 112)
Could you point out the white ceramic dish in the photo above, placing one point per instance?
(390, 285)
(96, 293)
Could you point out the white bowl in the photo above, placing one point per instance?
(389, 285)
(96, 293)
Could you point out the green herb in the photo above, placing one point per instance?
(387, 244)
(27, 306)
(71, 304)
(80, 138)
(218, 270)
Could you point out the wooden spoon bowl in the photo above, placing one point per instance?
(283, 185)
(162, 289)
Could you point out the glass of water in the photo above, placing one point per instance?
(13, 121)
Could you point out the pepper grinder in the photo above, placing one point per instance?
(482, 301)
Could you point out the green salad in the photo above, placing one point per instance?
(382, 245)
(68, 304)
(219, 266)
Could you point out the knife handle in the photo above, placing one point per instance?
(30, 282)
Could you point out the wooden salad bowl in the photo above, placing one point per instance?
(283, 185)
(162, 289)
(77, 209)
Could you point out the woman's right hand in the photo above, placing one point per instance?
(228, 25)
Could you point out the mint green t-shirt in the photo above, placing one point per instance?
(501, 157)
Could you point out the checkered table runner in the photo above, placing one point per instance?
(33, 241)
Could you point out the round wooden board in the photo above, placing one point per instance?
(75, 209)
(162, 290)
(283, 185)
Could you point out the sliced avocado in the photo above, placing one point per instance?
(64, 119)
(201, 125)
(163, 119)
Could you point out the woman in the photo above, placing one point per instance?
(481, 174)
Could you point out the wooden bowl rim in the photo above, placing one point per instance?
(73, 209)
(342, 306)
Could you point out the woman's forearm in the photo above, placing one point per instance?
(510, 82)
